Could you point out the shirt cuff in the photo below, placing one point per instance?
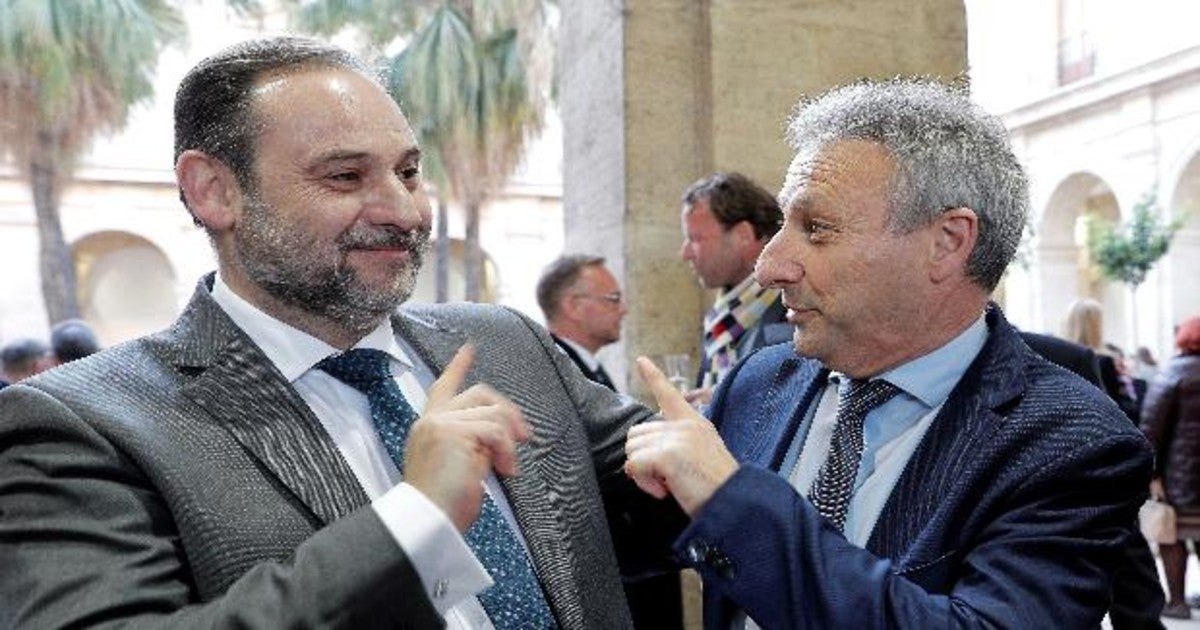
(449, 571)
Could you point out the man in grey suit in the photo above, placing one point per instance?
(240, 470)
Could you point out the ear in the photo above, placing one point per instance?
(209, 189)
(954, 234)
(569, 309)
(743, 234)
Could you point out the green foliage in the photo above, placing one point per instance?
(70, 69)
(1127, 254)
(380, 21)
(471, 75)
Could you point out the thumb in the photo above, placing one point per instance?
(671, 402)
(451, 380)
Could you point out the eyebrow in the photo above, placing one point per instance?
(340, 155)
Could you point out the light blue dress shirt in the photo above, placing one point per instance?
(892, 432)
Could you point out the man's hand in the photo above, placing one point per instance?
(458, 438)
(682, 455)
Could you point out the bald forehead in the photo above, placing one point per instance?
(326, 108)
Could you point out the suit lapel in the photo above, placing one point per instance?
(540, 525)
(931, 480)
(244, 392)
(764, 440)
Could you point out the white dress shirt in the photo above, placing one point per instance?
(449, 571)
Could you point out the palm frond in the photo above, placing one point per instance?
(381, 21)
(73, 68)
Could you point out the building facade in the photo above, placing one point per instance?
(1103, 102)
(138, 255)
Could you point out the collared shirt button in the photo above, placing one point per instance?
(440, 587)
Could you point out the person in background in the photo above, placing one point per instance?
(583, 307)
(726, 220)
(23, 358)
(72, 339)
(1145, 366)
(908, 461)
(1171, 420)
(1085, 326)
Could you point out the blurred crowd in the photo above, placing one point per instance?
(25, 356)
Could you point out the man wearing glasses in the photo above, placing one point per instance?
(583, 308)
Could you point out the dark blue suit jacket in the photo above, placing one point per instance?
(1011, 513)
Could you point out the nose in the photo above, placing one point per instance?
(778, 263)
(392, 203)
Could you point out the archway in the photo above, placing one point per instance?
(1183, 259)
(1063, 262)
(126, 285)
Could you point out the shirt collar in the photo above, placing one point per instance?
(294, 351)
(589, 359)
(931, 377)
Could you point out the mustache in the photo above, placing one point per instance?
(386, 237)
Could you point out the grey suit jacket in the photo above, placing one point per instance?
(179, 480)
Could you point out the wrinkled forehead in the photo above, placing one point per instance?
(819, 160)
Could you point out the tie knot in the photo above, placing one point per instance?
(360, 368)
(864, 396)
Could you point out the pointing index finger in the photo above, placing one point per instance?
(451, 380)
(670, 401)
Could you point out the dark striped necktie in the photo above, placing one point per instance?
(834, 486)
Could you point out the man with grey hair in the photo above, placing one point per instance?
(910, 462)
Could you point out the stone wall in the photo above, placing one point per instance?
(657, 93)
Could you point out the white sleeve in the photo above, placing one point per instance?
(447, 567)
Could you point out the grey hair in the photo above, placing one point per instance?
(948, 152)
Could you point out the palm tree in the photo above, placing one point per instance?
(69, 71)
(473, 77)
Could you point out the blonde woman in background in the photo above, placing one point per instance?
(1085, 326)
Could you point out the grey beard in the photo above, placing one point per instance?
(286, 269)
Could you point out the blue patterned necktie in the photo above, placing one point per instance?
(834, 486)
(515, 600)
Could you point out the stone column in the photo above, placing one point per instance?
(657, 93)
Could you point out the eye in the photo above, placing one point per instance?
(410, 172)
(344, 176)
(818, 230)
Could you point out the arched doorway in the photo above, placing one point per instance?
(126, 285)
(1063, 262)
(1183, 259)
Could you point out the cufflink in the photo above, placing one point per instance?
(440, 587)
